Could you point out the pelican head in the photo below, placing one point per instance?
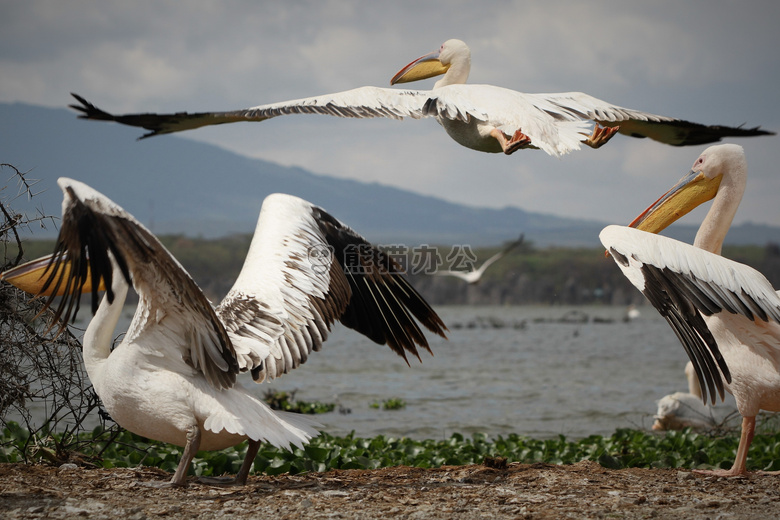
(700, 185)
(453, 54)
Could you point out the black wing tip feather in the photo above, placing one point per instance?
(87, 252)
(152, 122)
(90, 111)
(382, 305)
(668, 293)
(693, 134)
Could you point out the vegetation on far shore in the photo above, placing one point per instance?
(561, 276)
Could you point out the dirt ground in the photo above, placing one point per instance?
(583, 490)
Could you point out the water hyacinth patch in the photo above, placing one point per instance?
(394, 403)
(625, 448)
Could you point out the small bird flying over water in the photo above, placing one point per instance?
(726, 314)
(475, 275)
(481, 117)
(173, 376)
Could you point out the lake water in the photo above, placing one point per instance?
(538, 375)
(526, 370)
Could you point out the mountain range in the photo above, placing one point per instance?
(178, 186)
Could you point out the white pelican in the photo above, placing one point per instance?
(682, 410)
(481, 117)
(632, 313)
(173, 376)
(687, 410)
(475, 275)
(694, 387)
(726, 314)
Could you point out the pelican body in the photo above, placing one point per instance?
(173, 376)
(485, 118)
(726, 314)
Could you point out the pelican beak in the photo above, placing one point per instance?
(424, 67)
(691, 191)
(31, 277)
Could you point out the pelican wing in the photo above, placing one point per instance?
(496, 257)
(363, 102)
(305, 270)
(95, 230)
(468, 276)
(634, 123)
(683, 283)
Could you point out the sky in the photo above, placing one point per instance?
(712, 62)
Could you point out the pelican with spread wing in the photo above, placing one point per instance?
(173, 376)
(726, 314)
(481, 117)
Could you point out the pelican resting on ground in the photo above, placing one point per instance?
(687, 410)
(726, 314)
(682, 410)
(173, 376)
(475, 275)
(481, 117)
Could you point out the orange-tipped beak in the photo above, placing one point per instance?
(691, 191)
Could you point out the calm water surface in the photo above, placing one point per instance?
(538, 375)
(526, 370)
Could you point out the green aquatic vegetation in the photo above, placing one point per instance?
(625, 448)
(287, 402)
(394, 403)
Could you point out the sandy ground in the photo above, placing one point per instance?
(583, 490)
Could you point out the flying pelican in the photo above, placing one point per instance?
(475, 275)
(172, 378)
(481, 117)
(726, 314)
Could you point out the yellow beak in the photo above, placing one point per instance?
(31, 277)
(691, 191)
(424, 67)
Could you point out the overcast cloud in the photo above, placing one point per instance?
(713, 62)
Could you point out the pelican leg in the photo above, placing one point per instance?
(600, 135)
(243, 473)
(510, 146)
(190, 449)
(740, 462)
(251, 452)
(180, 475)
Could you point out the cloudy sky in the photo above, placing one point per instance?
(713, 62)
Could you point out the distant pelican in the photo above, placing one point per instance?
(172, 378)
(694, 387)
(475, 275)
(481, 117)
(632, 313)
(682, 410)
(726, 314)
(687, 410)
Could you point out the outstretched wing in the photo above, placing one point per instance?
(498, 256)
(305, 270)
(363, 102)
(634, 123)
(100, 240)
(685, 283)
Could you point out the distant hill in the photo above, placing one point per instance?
(178, 186)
